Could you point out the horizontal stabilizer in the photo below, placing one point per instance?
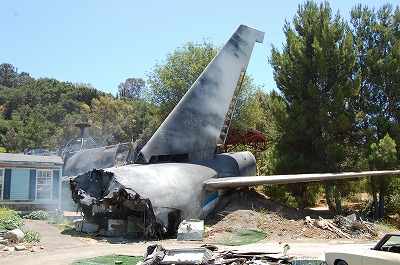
(193, 127)
(236, 182)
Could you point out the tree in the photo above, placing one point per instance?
(8, 75)
(145, 116)
(383, 156)
(111, 120)
(315, 75)
(377, 36)
(252, 108)
(33, 111)
(169, 80)
(131, 88)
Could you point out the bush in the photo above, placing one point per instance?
(367, 209)
(10, 219)
(32, 236)
(393, 204)
(37, 215)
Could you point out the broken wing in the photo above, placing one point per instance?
(236, 182)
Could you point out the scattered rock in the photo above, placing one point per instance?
(14, 236)
(19, 247)
(9, 249)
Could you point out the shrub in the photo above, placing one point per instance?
(10, 219)
(37, 215)
(32, 236)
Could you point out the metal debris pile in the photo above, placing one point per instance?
(209, 254)
(345, 226)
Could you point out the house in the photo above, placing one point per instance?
(30, 182)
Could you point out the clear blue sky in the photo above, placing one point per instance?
(105, 42)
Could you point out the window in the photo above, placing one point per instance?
(1, 182)
(44, 184)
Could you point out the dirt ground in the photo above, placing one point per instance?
(243, 209)
(249, 209)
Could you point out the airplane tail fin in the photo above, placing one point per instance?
(192, 129)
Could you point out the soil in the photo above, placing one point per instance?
(249, 209)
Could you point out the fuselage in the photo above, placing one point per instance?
(174, 186)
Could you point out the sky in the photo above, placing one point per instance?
(102, 43)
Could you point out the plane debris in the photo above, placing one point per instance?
(179, 173)
(192, 229)
(344, 226)
(157, 254)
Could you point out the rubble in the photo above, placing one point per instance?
(209, 254)
(14, 240)
(344, 226)
(157, 254)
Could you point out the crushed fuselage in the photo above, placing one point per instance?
(159, 195)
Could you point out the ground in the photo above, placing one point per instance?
(245, 208)
(249, 209)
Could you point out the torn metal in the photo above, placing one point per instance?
(102, 199)
(156, 196)
(157, 254)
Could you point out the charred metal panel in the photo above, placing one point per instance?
(85, 160)
(193, 127)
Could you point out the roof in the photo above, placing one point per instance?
(22, 159)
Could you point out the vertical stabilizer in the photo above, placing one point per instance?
(193, 127)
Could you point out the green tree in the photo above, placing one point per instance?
(131, 88)
(111, 120)
(315, 75)
(66, 130)
(8, 75)
(251, 111)
(383, 156)
(377, 36)
(168, 81)
(144, 115)
(33, 111)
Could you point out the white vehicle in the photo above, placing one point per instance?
(385, 252)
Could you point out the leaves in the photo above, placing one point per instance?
(169, 80)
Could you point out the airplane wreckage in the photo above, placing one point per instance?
(177, 175)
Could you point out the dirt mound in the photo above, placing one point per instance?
(248, 209)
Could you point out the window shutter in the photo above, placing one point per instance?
(56, 181)
(7, 184)
(32, 184)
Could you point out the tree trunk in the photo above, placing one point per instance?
(328, 196)
(381, 204)
(374, 199)
(338, 201)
